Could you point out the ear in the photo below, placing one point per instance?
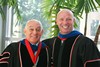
(74, 19)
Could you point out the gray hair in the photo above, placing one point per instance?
(34, 20)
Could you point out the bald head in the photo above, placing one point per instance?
(67, 11)
(65, 21)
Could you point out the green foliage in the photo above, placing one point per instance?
(98, 2)
(10, 3)
(46, 6)
(85, 5)
(2, 13)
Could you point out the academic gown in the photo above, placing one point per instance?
(75, 51)
(16, 55)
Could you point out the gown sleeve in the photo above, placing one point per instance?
(89, 53)
(8, 55)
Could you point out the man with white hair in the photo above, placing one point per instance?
(29, 52)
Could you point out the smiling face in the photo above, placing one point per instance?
(33, 31)
(65, 21)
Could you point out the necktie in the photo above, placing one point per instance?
(34, 47)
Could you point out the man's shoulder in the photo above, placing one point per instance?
(13, 45)
(49, 39)
(86, 38)
(85, 41)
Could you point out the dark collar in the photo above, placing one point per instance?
(34, 47)
(71, 34)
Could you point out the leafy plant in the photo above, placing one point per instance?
(9, 3)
